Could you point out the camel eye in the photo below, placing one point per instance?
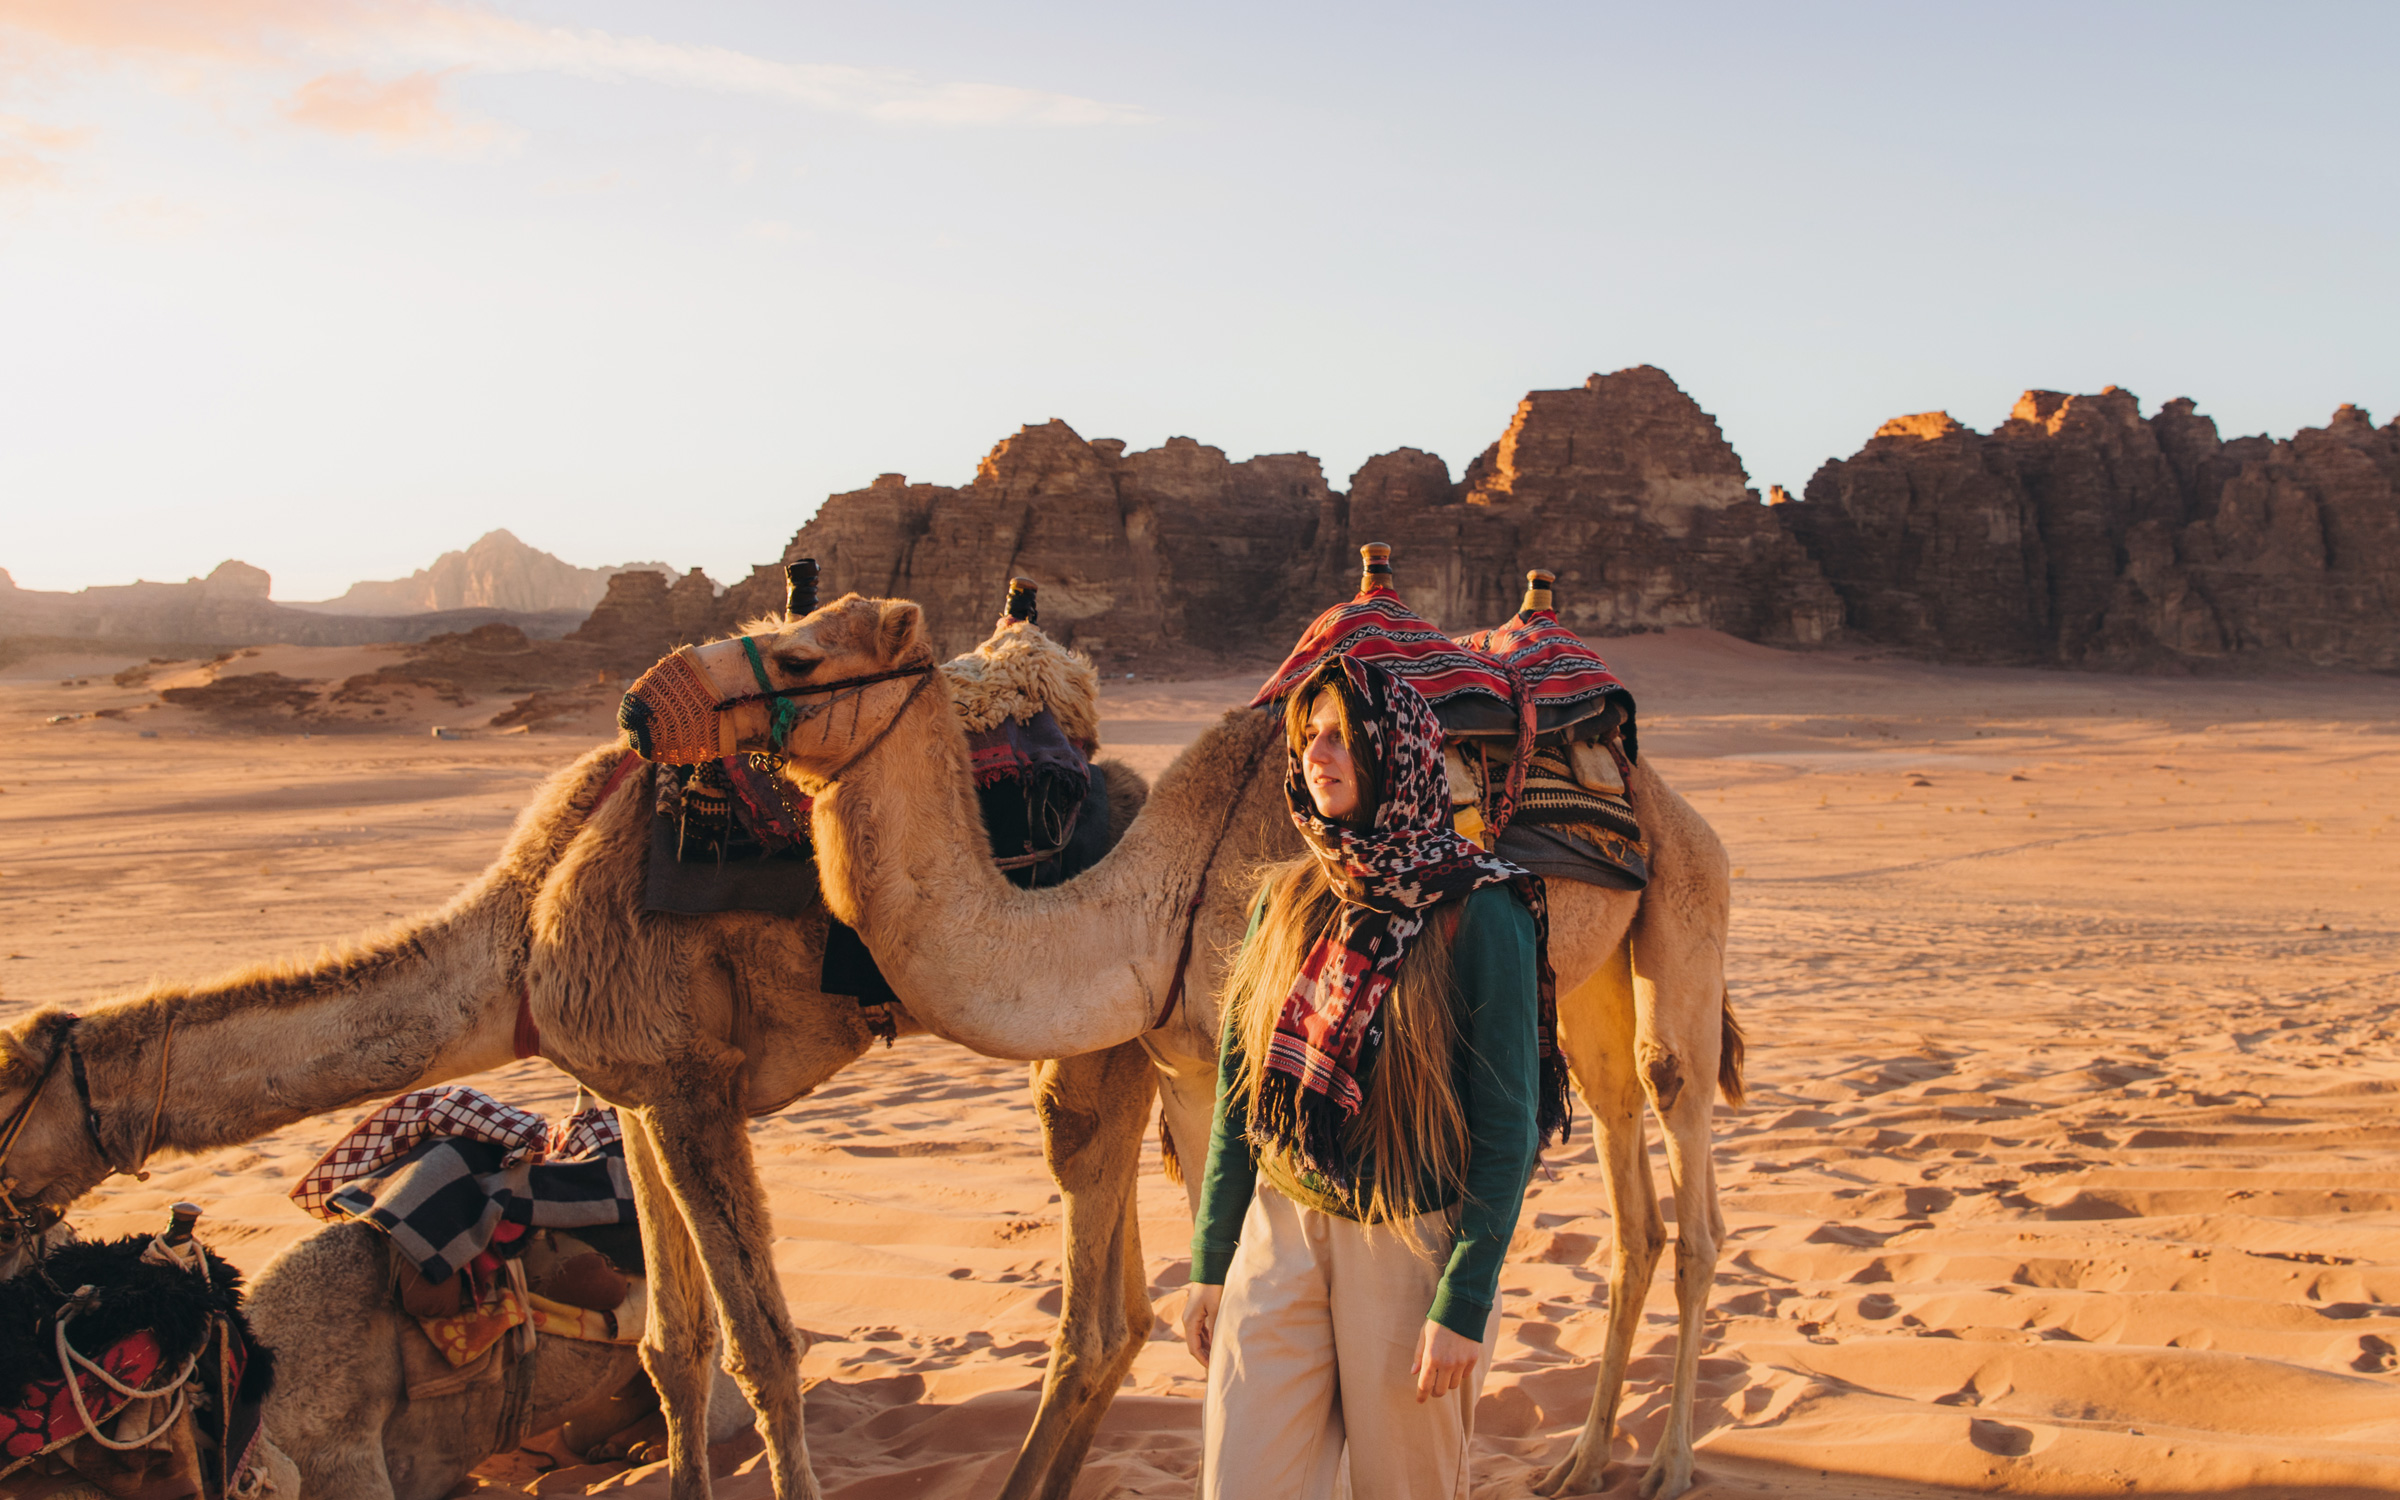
(796, 667)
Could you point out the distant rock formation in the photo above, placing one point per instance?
(2077, 533)
(645, 615)
(229, 607)
(497, 572)
(1623, 486)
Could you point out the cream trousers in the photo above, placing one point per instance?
(1313, 1343)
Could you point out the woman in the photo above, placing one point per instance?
(1388, 1073)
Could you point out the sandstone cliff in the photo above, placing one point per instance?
(2081, 534)
(1624, 486)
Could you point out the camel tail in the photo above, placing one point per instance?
(1167, 1159)
(1730, 1049)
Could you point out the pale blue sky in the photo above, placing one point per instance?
(334, 285)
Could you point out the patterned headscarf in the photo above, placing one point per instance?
(1388, 877)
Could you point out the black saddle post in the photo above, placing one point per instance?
(1024, 601)
(800, 588)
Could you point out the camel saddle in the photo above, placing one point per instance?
(733, 834)
(145, 1312)
(1537, 733)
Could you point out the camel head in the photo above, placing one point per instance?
(770, 686)
(48, 1158)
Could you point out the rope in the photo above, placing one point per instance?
(166, 1056)
(69, 1358)
(785, 716)
(1191, 915)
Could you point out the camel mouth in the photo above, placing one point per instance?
(671, 714)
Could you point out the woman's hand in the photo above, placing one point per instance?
(1443, 1363)
(1200, 1304)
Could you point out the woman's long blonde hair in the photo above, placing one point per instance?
(1410, 1121)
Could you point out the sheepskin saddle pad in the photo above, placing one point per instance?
(146, 1318)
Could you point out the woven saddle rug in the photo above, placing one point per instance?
(1570, 817)
(456, 1178)
(470, 1191)
(152, 1323)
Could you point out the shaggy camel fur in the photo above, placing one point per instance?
(346, 1357)
(688, 1024)
(1644, 1013)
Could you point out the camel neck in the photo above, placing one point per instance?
(224, 1062)
(902, 856)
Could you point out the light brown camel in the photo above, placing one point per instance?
(1644, 1013)
(689, 1024)
(368, 1409)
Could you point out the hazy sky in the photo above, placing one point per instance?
(334, 285)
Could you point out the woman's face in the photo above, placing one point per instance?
(1325, 762)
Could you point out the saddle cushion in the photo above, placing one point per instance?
(146, 1320)
(1566, 679)
(1461, 682)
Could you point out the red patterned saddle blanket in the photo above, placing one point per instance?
(1539, 733)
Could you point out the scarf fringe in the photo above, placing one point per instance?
(1306, 1126)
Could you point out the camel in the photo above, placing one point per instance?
(343, 1410)
(1644, 1008)
(688, 1024)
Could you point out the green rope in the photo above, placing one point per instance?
(785, 713)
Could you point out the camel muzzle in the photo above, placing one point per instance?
(670, 714)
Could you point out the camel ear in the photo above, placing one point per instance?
(900, 631)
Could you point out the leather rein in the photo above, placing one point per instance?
(27, 1219)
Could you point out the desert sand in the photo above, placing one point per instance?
(2067, 1167)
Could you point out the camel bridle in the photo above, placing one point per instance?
(26, 1220)
(847, 689)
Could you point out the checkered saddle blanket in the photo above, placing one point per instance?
(452, 1174)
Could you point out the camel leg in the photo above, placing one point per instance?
(1596, 1030)
(1679, 994)
(679, 1338)
(703, 1142)
(1094, 1111)
(1187, 1100)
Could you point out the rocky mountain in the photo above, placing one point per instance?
(229, 607)
(497, 572)
(1624, 486)
(2079, 533)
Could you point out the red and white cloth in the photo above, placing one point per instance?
(1552, 661)
(396, 1129)
(1376, 626)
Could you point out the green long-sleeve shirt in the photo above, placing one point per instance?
(1497, 1073)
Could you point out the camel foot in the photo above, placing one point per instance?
(1577, 1474)
(1670, 1474)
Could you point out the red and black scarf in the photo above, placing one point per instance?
(1388, 879)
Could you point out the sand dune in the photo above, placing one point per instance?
(2066, 1168)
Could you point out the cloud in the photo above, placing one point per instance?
(341, 44)
(503, 44)
(404, 110)
(27, 148)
